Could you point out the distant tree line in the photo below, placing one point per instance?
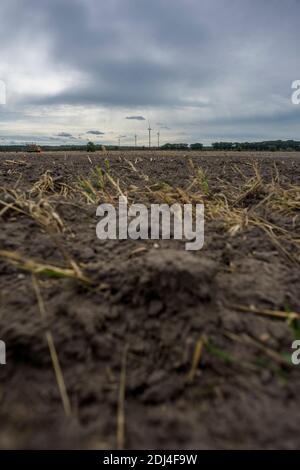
(68, 148)
(182, 146)
(270, 146)
(174, 147)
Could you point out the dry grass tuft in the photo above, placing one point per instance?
(53, 353)
(40, 210)
(44, 269)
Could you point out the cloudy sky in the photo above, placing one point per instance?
(199, 70)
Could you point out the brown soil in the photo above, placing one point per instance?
(157, 305)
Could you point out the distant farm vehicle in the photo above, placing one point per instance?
(33, 148)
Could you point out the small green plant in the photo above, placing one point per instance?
(294, 324)
(202, 180)
(107, 165)
(99, 177)
(88, 190)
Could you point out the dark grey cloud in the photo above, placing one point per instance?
(65, 134)
(136, 118)
(95, 132)
(152, 53)
(223, 62)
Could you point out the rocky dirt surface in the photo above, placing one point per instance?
(163, 348)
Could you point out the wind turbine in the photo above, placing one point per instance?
(119, 138)
(158, 135)
(135, 139)
(149, 130)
